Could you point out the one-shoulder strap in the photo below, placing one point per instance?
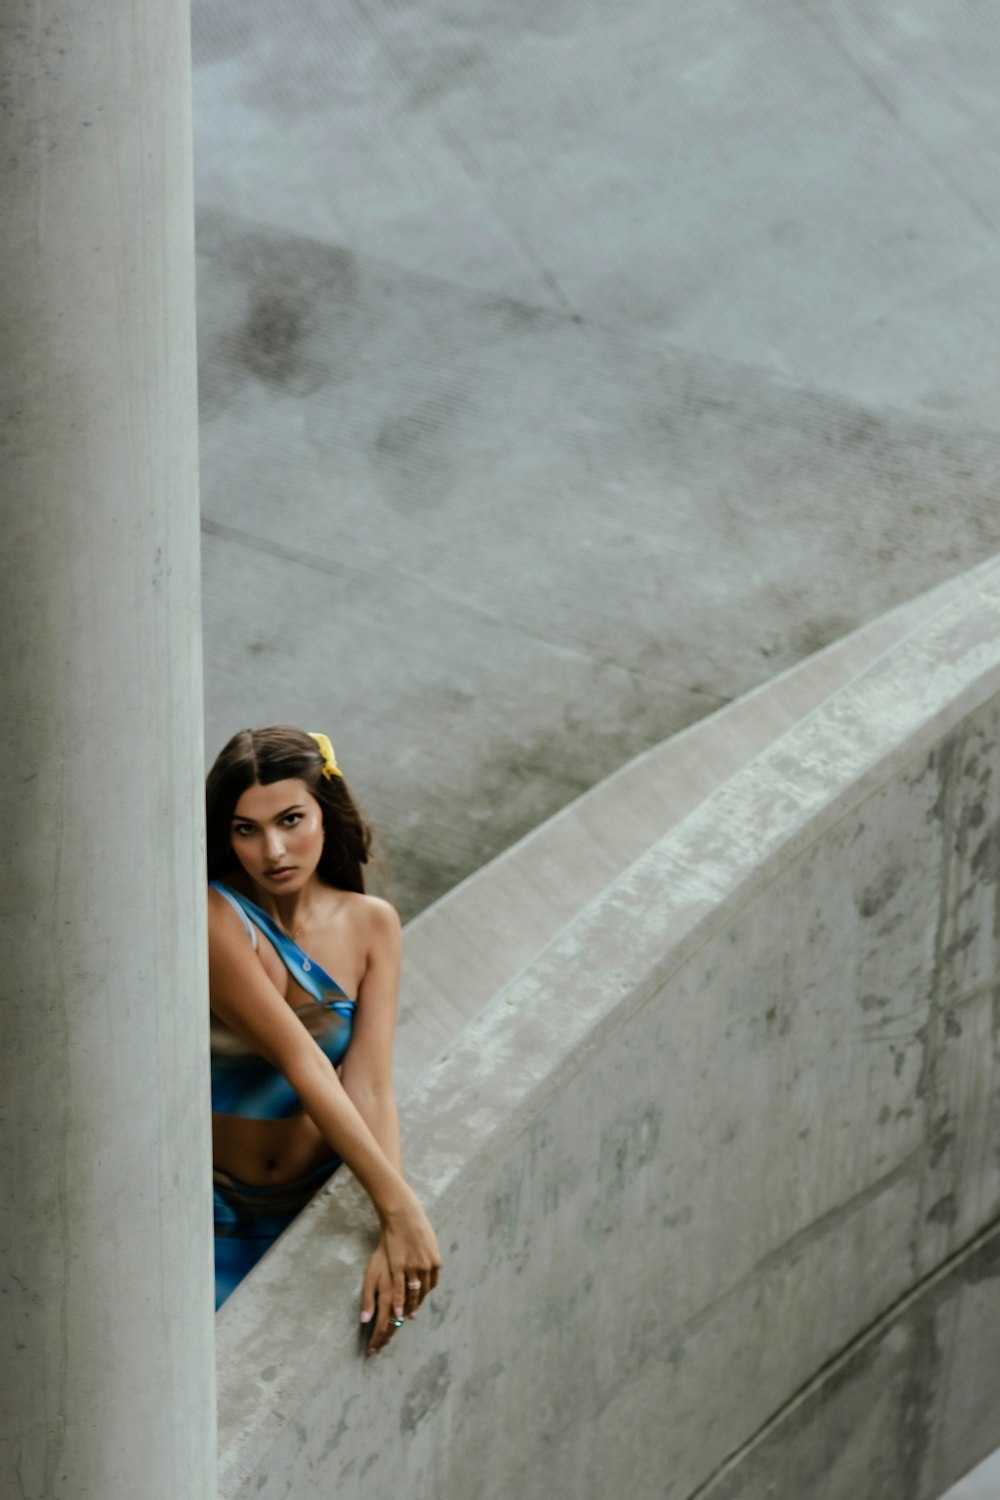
(237, 908)
(304, 970)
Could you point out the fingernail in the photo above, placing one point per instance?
(366, 1317)
(399, 1312)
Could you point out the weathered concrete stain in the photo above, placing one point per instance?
(944, 1211)
(341, 1429)
(813, 635)
(503, 1209)
(880, 891)
(425, 1393)
(560, 1181)
(478, 1385)
(941, 1137)
(627, 1146)
(291, 319)
(270, 341)
(986, 857)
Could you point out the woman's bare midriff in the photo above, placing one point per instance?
(265, 1152)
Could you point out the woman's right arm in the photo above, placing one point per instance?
(243, 997)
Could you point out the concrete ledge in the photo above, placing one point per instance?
(737, 1111)
(462, 950)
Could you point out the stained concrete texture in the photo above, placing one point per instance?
(568, 370)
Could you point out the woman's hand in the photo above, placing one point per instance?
(403, 1269)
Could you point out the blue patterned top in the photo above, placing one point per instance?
(243, 1082)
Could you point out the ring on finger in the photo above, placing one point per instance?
(396, 1322)
(414, 1286)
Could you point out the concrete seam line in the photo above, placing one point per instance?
(908, 1168)
(873, 1331)
(335, 568)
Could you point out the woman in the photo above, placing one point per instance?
(301, 1062)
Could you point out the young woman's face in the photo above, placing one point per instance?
(277, 834)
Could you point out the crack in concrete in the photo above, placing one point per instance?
(463, 155)
(874, 1330)
(335, 568)
(886, 102)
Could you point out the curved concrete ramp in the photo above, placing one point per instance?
(461, 951)
(716, 1175)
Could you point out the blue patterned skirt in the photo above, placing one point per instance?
(249, 1219)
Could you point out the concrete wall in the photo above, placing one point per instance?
(107, 1390)
(716, 1177)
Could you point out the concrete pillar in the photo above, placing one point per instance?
(105, 1241)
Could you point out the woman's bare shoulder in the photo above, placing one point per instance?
(375, 915)
(220, 909)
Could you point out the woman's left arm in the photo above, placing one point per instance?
(366, 1072)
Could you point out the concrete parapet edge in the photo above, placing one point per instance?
(471, 942)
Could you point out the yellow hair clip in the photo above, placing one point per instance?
(330, 767)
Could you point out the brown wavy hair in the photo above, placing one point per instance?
(281, 752)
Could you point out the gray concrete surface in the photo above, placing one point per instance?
(981, 1483)
(466, 947)
(568, 372)
(107, 1390)
(716, 1174)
